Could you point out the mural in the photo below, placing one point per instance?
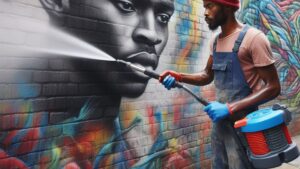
(279, 20)
(64, 112)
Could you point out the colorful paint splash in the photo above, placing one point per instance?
(189, 34)
(30, 140)
(34, 142)
(280, 21)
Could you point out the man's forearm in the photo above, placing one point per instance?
(262, 96)
(269, 91)
(199, 79)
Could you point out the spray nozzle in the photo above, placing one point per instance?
(135, 67)
(121, 61)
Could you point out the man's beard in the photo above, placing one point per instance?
(220, 19)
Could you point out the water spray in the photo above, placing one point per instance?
(155, 75)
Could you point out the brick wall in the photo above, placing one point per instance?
(59, 111)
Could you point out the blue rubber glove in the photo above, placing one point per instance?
(169, 82)
(216, 111)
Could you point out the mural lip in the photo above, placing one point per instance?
(144, 59)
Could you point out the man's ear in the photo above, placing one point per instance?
(56, 5)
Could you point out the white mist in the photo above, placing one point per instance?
(33, 38)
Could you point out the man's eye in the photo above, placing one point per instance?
(126, 6)
(209, 6)
(163, 18)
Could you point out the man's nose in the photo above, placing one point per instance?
(206, 13)
(146, 31)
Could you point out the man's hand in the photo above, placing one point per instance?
(176, 75)
(169, 82)
(217, 111)
(169, 78)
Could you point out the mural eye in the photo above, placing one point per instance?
(126, 6)
(163, 18)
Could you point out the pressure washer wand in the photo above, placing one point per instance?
(155, 75)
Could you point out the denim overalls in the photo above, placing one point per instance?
(231, 85)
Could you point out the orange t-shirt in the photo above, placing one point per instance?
(255, 51)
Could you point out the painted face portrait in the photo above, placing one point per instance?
(131, 30)
(215, 15)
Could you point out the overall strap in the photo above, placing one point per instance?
(215, 43)
(239, 40)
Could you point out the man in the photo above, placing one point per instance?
(242, 67)
(134, 31)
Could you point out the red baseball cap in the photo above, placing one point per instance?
(233, 3)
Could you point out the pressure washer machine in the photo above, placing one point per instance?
(267, 137)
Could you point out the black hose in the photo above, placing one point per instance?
(155, 75)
